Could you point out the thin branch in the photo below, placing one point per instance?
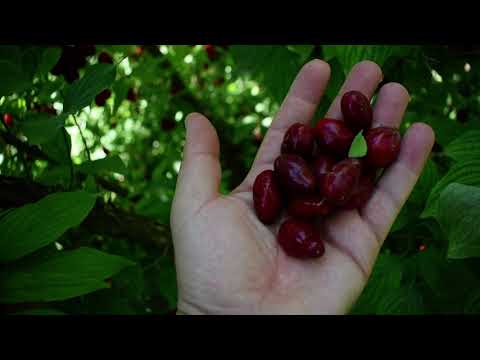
(87, 150)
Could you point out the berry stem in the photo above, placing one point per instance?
(87, 150)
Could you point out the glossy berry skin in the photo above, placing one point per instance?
(299, 139)
(361, 194)
(334, 137)
(308, 206)
(357, 111)
(102, 98)
(294, 174)
(383, 146)
(299, 239)
(8, 119)
(321, 166)
(267, 199)
(339, 184)
(105, 58)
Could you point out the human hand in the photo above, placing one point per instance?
(228, 262)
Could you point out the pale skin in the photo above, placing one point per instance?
(228, 262)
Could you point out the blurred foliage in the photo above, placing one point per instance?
(107, 121)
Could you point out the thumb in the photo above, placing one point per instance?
(199, 176)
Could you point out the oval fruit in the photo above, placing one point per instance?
(267, 199)
(357, 111)
(299, 239)
(299, 139)
(294, 173)
(383, 146)
(339, 184)
(308, 206)
(334, 137)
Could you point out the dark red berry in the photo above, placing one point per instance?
(105, 58)
(299, 239)
(383, 146)
(361, 194)
(299, 140)
(321, 166)
(334, 137)
(294, 174)
(168, 124)
(308, 206)
(211, 51)
(102, 98)
(357, 111)
(8, 119)
(267, 199)
(338, 185)
(132, 95)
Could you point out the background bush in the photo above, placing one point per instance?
(86, 190)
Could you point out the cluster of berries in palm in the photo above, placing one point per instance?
(314, 176)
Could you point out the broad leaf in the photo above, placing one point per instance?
(40, 127)
(81, 93)
(458, 213)
(13, 78)
(465, 147)
(40, 312)
(107, 164)
(349, 55)
(384, 280)
(66, 275)
(49, 58)
(59, 147)
(33, 226)
(275, 66)
(467, 173)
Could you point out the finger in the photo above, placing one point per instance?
(199, 177)
(364, 77)
(392, 101)
(398, 181)
(299, 106)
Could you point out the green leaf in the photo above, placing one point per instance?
(40, 128)
(81, 93)
(303, 50)
(59, 147)
(40, 312)
(120, 89)
(385, 279)
(55, 175)
(60, 277)
(267, 62)
(14, 79)
(359, 146)
(49, 58)
(449, 279)
(458, 213)
(33, 226)
(161, 280)
(428, 179)
(467, 173)
(349, 55)
(107, 164)
(465, 147)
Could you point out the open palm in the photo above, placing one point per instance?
(228, 262)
